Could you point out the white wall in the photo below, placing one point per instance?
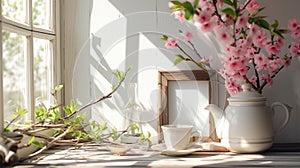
(103, 35)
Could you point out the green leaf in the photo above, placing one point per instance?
(56, 89)
(164, 38)
(196, 2)
(14, 116)
(189, 10)
(283, 31)
(104, 126)
(275, 24)
(176, 3)
(257, 11)
(129, 69)
(6, 130)
(229, 11)
(118, 74)
(31, 139)
(228, 2)
(263, 23)
(188, 15)
(176, 7)
(235, 4)
(21, 111)
(179, 59)
(37, 144)
(277, 33)
(148, 135)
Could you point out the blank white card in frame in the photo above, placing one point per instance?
(187, 100)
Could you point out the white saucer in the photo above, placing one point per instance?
(193, 147)
(180, 152)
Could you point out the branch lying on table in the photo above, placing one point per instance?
(59, 139)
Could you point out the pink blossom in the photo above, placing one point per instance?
(220, 3)
(295, 34)
(279, 42)
(187, 35)
(254, 29)
(287, 62)
(235, 65)
(202, 2)
(260, 59)
(274, 65)
(202, 17)
(259, 39)
(243, 71)
(207, 26)
(224, 36)
(261, 67)
(295, 49)
(171, 43)
(266, 78)
(269, 81)
(208, 8)
(232, 87)
(244, 43)
(250, 53)
(272, 49)
(293, 24)
(238, 52)
(227, 19)
(261, 62)
(253, 79)
(242, 21)
(252, 6)
(179, 15)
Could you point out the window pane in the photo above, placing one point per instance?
(42, 71)
(41, 13)
(14, 10)
(14, 72)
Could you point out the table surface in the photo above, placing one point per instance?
(99, 156)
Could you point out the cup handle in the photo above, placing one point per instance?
(199, 133)
(287, 112)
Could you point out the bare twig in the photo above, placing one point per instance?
(97, 101)
(50, 144)
(194, 48)
(190, 58)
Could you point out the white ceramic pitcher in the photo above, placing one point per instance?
(247, 124)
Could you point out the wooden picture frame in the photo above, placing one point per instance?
(184, 75)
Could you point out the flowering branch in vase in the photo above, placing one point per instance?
(253, 47)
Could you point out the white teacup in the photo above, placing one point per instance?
(177, 137)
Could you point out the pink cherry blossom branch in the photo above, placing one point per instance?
(195, 50)
(246, 4)
(256, 74)
(217, 12)
(189, 57)
(265, 82)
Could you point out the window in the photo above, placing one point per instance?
(28, 54)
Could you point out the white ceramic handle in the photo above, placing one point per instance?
(287, 112)
(199, 135)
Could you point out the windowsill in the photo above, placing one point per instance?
(99, 156)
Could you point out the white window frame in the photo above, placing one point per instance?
(31, 32)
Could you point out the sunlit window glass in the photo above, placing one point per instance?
(14, 72)
(14, 10)
(41, 13)
(42, 71)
